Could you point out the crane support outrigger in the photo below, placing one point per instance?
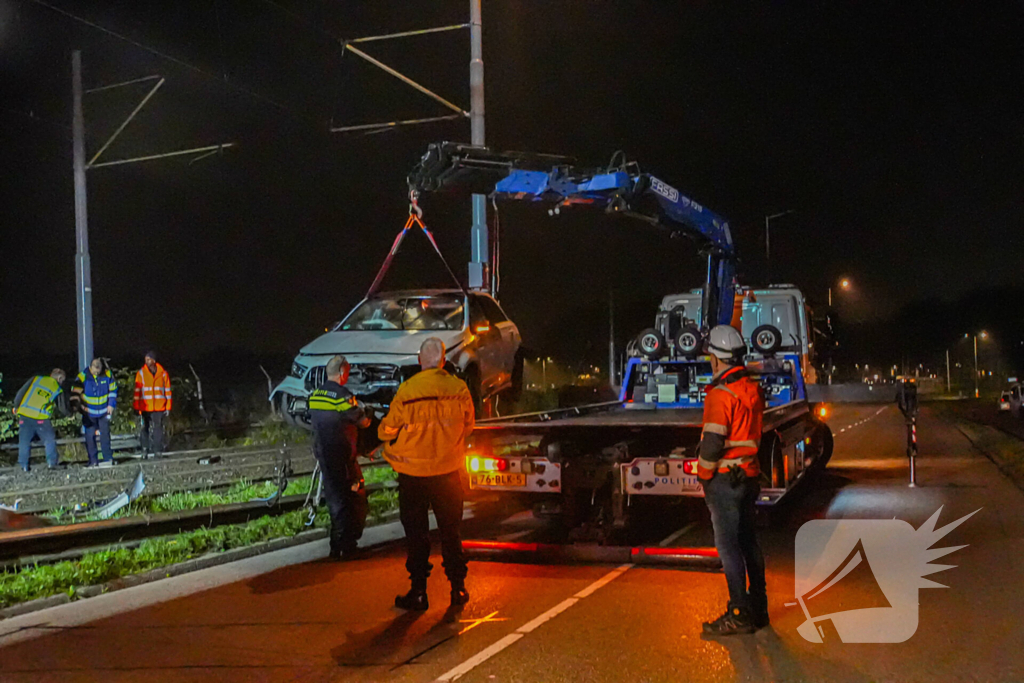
(588, 464)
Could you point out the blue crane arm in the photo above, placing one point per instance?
(624, 190)
(617, 191)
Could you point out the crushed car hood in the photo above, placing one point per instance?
(383, 342)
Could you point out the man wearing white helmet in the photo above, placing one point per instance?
(729, 471)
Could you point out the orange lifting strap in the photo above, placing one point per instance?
(415, 219)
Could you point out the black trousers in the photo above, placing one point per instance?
(345, 493)
(94, 425)
(152, 436)
(444, 494)
(733, 516)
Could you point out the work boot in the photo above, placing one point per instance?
(414, 600)
(736, 620)
(346, 554)
(460, 596)
(759, 613)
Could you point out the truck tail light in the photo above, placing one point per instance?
(478, 463)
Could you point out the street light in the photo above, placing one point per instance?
(984, 335)
(844, 285)
(768, 241)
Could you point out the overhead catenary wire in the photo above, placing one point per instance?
(372, 128)
(163, 55)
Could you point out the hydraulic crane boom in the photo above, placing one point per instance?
(621, 189)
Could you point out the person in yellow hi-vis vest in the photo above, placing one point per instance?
(34, 405)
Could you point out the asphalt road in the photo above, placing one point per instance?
(319, 621)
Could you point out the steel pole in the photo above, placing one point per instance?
(976, 392)
(479, 267)
(768, 248)
(948, 384)
(83, 276)
(612, 357)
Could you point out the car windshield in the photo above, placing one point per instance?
(440, 312)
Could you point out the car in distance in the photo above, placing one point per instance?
(381, 338)
(1004, 401)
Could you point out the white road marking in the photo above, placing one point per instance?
(480, 657)
(607, 578)
(547, 616)
(496, 647)
(676, 534)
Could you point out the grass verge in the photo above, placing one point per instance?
(41, 581)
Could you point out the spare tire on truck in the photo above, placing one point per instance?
(766, 339)
(651, 344)
(689, 342)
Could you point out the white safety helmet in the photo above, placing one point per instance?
(726, 343)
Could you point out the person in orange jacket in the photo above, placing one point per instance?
(424, 435)
(152, 402)
(729, 471)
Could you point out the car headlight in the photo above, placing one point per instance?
(298, 370)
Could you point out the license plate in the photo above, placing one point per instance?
(498, 480)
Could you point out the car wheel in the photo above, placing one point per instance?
(651, 344)
(282, 410)
(689, 342)
(766, 339)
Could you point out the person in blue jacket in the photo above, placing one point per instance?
(96, 393)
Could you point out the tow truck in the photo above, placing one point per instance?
(590, 465)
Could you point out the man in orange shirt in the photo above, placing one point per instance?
(424, 435)
(152, 402)
(729, 470)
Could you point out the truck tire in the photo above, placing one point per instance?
(827, 444)
(651, 344)
(766, 339)
(689, 342)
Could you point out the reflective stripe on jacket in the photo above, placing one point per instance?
(38, 400)
(734, 411)
(336, 415)
(152, 390)
(96, 393)
(425, 431)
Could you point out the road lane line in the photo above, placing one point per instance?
(676, 534)
(479, 658)
(607, 578)
(496, 647)
(547, 616)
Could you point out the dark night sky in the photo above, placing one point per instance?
(895, 131)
